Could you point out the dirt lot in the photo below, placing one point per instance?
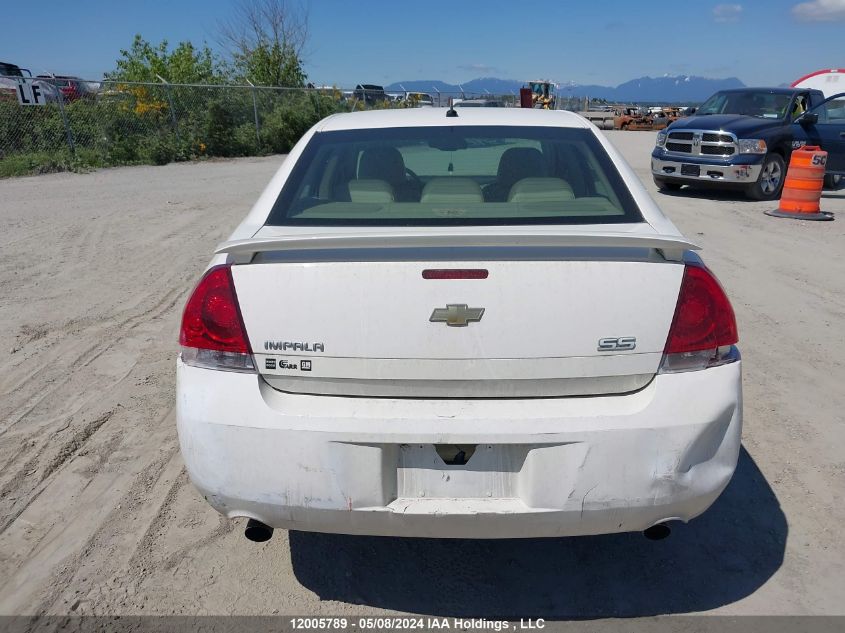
(97, 514)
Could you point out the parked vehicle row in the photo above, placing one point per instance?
(478, 103)
(633, 117)
(72, 88)
(50, 86)
(372, 95)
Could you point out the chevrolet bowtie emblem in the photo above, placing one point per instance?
(456, 315)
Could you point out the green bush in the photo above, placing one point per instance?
(129, 125)
(245, 138)
(220, 136)
(157, 150)
(293, 117)
(44, 162)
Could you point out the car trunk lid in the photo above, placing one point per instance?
(552, 316)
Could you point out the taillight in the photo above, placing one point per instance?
(703, 332)
(213, 333)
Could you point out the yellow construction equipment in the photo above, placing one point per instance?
(542, 93)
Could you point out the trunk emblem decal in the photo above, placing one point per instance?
(623, 343)
(456, 315)
(294, 346)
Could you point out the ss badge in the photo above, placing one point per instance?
(624, 344)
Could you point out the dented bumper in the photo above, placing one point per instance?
(541, 467)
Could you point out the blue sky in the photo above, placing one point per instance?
(764, 42)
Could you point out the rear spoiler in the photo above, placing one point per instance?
(672, 246)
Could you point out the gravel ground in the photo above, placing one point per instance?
(97, 515)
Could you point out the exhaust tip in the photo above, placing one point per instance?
(257, 532)
(657, 532)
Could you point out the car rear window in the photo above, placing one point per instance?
(482, 175)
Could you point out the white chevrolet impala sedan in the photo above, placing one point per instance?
(458, 324)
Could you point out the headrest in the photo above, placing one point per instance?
(541, 190)
(453, 190)
(370, 190)
(383, 163)
(517, 163)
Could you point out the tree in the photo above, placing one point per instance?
(266, 39)
(184, 64)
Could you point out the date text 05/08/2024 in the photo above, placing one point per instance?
(413, 624)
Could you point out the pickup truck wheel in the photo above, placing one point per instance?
(770, 182)
(665, 185)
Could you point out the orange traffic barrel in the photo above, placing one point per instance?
(802, 188)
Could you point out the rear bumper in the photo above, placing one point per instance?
(544, 467)
(741, 170)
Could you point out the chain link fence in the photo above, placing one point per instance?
(101, 123)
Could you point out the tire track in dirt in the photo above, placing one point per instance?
(65, 453)
(87, 406)
(164, 306)
(144, 556)
(48, 368)
(98, 541)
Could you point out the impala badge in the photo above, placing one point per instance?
(456, 315)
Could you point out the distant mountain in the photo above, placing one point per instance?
(683, 88)
(667, 89)
(493, 85)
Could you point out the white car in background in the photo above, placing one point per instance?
(419, 99)
(11, 75)
(443, 324)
